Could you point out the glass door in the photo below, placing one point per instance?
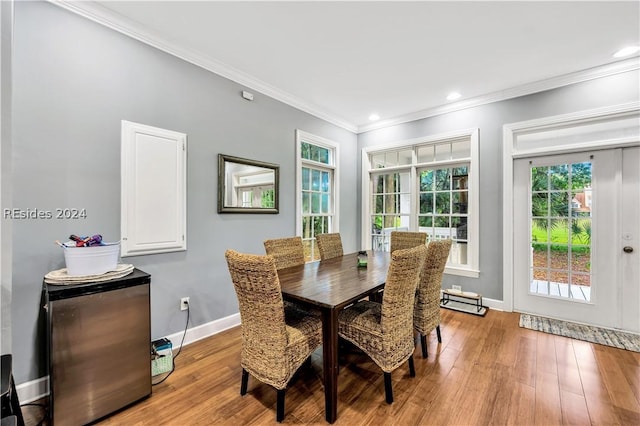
(572, 213)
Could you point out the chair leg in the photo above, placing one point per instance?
(412, 368)
(388, 392)
(438, 332)
(244, 381)
(423, 343)
(280, 406)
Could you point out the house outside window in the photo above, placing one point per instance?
(317, 190)
(428, 185)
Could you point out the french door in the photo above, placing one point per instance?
(576, 231)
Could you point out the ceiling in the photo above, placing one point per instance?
(343, 61)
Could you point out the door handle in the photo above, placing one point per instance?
(628, 249)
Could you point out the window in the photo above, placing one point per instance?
(317, 191)
(427, 185)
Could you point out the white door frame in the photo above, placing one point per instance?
(567, 133)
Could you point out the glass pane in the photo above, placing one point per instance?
(426, 180)
(405, 156)
(559, 231)
(459, 226)
(539, 178)
(391, 159)
(581, 203)
(581, 175)
(377, 161)
(306, 227)
(426, 203)
(378, 203)
(391, 203)
(325, 182)
(305, 150)
(376, 224)
(378, 184)
(443, 152)
(540, 275)
(441, 222)
(323, 155)
(581, 232)
(461, 149)
(442, 202)
(540, 255)
(325, 203)
(425, 154)
(559, 177)
(559, 204)
(540, 204)
(405, 203)
(305, 179)
(581, 260)
(442, 179)
(459, 202)
(305, 203)
(425, 221)
(559, 257)
(315, 180)
(540, 230)
(458, 254)
(315, 203)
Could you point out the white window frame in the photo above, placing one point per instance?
(334, 166)
(472, 270)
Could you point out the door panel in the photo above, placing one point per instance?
(630, 238)
(568, 222)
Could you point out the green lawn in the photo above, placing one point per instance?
(559, 235)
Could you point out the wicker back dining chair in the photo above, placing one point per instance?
(275, 340)
(384, 331)
(426, 314)
(403, 240)
(330, 245)
(286, 251)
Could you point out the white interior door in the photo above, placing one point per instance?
(573, 215)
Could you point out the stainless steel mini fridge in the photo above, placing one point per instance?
(98, 347)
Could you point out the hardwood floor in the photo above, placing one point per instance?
(486, 371)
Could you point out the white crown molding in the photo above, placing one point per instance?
(116, 22)
(514, 92)
(119, 23)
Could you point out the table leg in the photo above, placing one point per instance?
(330, 362)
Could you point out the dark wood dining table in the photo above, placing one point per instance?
(329, 286)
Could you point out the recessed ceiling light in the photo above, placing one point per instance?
(374, 117)
(627, 51)
(453, 96)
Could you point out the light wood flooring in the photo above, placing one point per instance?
(487, 371)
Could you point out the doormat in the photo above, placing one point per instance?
(601, 336)
(467, 308)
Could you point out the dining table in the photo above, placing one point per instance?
(329, 286)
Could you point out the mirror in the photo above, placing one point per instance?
(247, 186)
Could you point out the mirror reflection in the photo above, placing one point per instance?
(247, 186)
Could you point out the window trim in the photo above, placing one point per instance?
(473, 269)
(302, 136)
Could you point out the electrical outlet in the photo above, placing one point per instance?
(456, 288)
(184, 303)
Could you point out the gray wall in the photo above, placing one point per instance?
(74, 81)
(616, 89)
(6, 40)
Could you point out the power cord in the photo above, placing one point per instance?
(173, 366)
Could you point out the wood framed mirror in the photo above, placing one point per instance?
(247, 186)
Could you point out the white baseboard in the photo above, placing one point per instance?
(39, 388)
(33, 390)
(205, 330)
(497, 305)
